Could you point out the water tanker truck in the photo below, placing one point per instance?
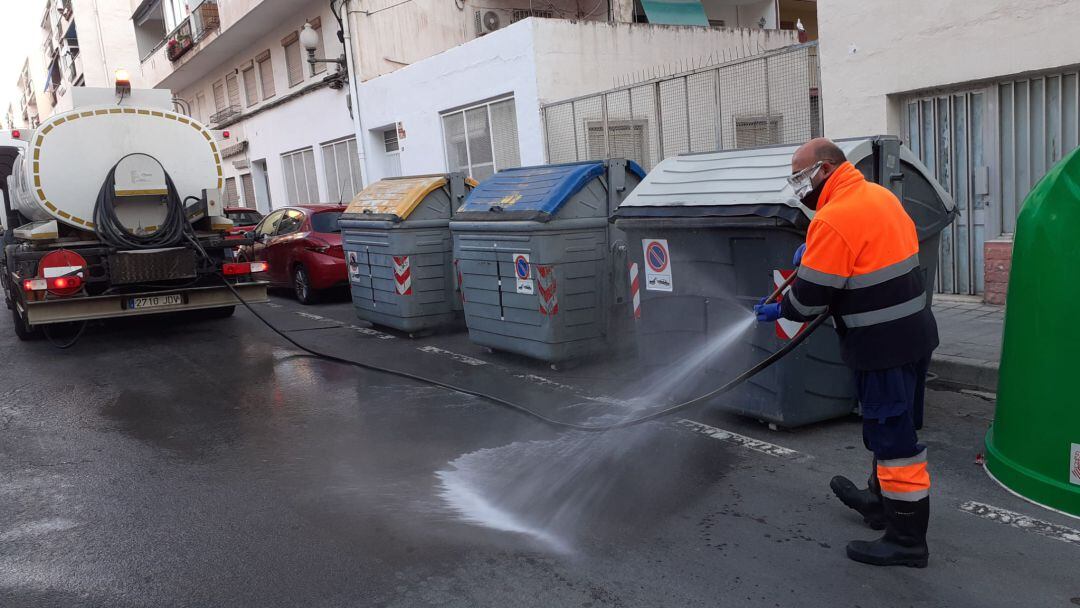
(113, 208)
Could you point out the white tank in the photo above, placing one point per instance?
(69, 156)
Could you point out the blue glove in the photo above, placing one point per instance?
(767, 313)
(798, 255)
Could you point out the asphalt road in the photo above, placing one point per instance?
(171, 462)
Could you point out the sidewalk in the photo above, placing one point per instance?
(970, 342)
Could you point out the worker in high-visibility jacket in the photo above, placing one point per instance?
(861, 263)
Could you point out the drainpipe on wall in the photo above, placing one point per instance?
(354, 91)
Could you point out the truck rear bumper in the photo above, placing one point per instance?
(110, 307)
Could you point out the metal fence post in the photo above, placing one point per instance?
(573, 120)
(547, 134)
(659, 121)
(719, 113)
(604, 115)
(686, 100)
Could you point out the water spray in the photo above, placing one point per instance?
(667, 411)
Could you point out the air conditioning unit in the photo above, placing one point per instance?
(487, 21)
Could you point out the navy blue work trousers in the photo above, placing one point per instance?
(892, 409)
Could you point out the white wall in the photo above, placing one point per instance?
(109, 21)
(538, 61)
(302, 121)
(496, 64)
(870, 50)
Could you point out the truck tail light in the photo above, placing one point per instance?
(35, 285)
(233, 269)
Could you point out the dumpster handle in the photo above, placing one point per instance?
(667, 411)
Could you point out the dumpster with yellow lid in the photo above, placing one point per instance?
(397, 243)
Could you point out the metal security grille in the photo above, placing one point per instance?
(341, 163)
(231, 195)
(248, 187)
(771, 98)
(300, 181)
(483, 139)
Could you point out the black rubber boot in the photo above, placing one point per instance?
(866, 501)
(904, 542)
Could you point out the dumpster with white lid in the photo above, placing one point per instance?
(710, 234)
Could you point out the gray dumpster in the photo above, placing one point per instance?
(533, 245)
(397, 244)
(720, 230)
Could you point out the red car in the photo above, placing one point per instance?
(243, 218)
(302, 247)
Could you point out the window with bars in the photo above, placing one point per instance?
(251, 87)
(482, 139)
(341, 164)
(231, 197)
(301, 185)
(247, 187)
(390, 140)
(752, 131)
(294, 63)
(266, 74)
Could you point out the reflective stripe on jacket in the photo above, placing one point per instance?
(862, 261)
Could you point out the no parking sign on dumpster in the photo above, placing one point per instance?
(785, 329)
(657, 265)
(523, 274)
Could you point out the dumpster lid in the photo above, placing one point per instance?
(752, 180)
(536, 191)
(396, 196)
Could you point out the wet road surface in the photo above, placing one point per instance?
(169, 462)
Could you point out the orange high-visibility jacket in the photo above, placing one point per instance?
(862, 262)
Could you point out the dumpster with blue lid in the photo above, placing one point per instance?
(397, 242)
(710, 234)
(535, 252)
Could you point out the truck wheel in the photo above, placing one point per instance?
(23, 330)
(302, 286)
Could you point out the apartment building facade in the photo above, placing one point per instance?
(238, 65)
(988, 113)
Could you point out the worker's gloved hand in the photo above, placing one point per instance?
(767, 313)
(797, 260)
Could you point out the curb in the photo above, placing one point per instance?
(968, 373)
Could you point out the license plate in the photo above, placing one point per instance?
(172, 299)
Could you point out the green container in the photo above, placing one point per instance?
(1033, 447)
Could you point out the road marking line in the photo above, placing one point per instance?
(367, 331)
(1023, 522)
(467, 360)
(308, 315)
(749, 443)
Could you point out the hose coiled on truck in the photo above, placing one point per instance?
(171, 233)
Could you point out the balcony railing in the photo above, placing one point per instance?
(202, 20)
(225, 114)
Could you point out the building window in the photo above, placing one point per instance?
(753, 131)
(341, 164)
(200, 107)
(231, 197)
(300, 181)
(294, 64)
(482, 139)
(266, 74)
(251, 87)
(219, 96)
(247, 187)
(232, 87)
(626, 139)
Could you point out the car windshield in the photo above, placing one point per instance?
(244, 218)
(326, 221)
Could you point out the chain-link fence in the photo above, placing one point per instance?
(772, 98)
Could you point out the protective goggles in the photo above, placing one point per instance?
(803, 181)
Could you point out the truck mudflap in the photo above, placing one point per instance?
(144, 303)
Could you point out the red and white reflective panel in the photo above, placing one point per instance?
(402, 275)
(785, 329)
(63, 271)
(547, 286)
(635, 289)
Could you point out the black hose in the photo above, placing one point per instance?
(743, 377)
(71, 341)
(112, 232)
